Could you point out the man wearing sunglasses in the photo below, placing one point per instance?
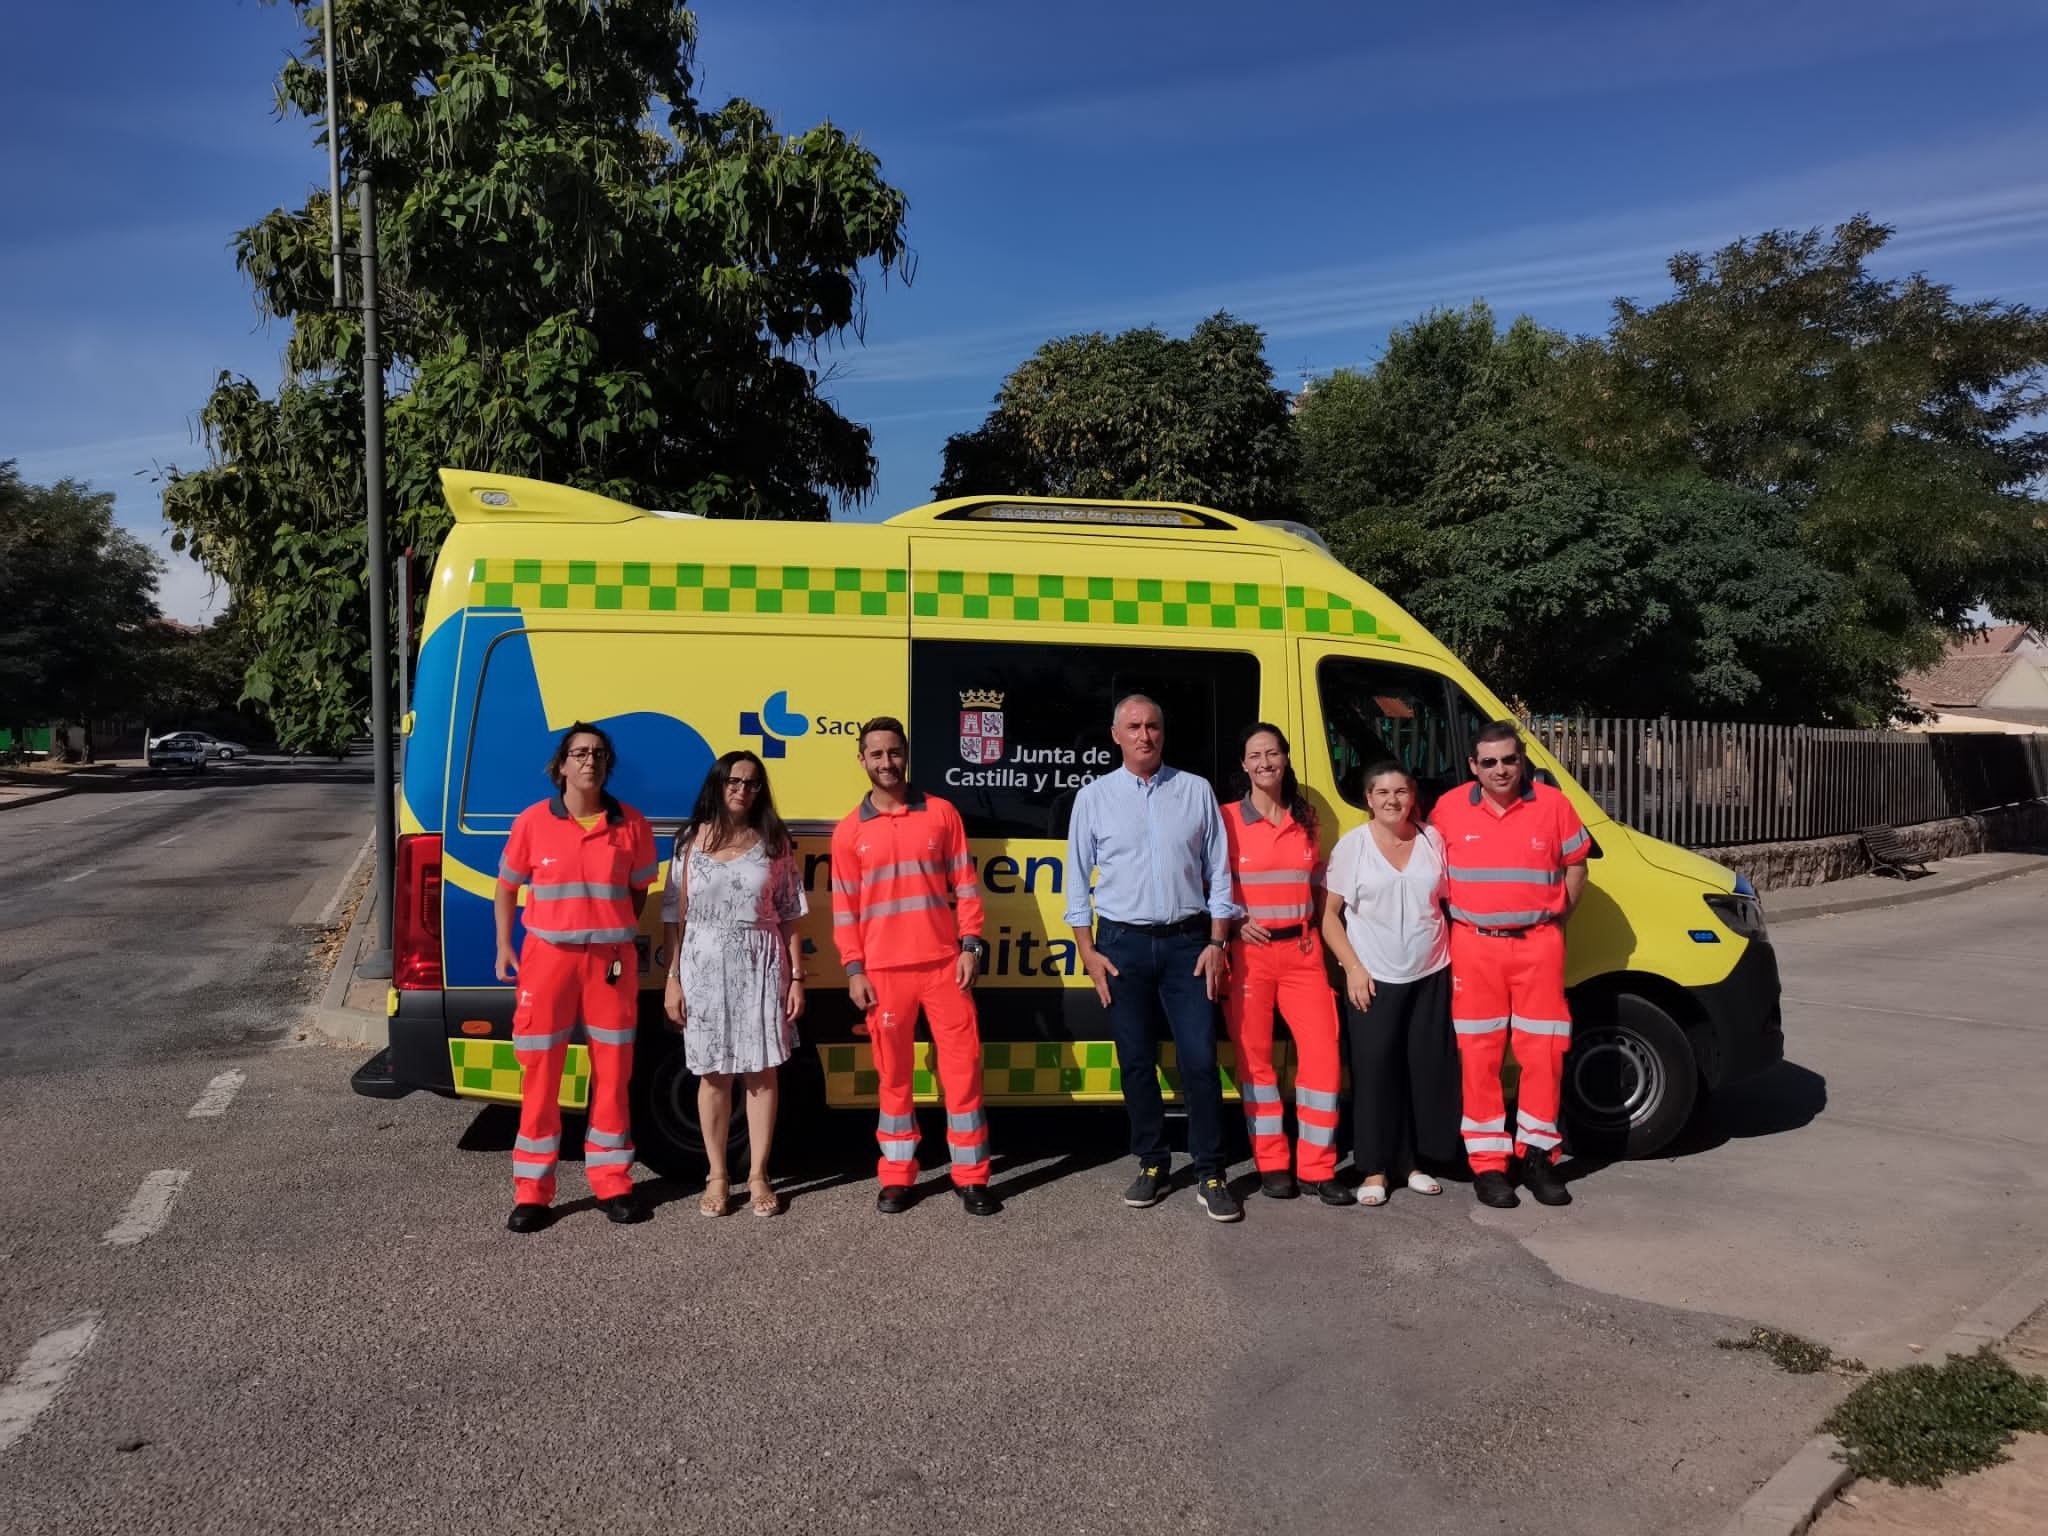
(1515, 861)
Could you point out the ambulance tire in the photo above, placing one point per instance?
(665, 1129)
(1630, 1081)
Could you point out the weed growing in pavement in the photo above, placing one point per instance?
(1922, 1423)
(1801, 1357)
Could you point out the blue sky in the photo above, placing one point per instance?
(1327, 171)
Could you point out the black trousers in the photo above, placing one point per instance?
(1405, 1095)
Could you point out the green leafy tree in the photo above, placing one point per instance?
(1901, 424)
(1139, 416)
(587, 277)
(76, 592)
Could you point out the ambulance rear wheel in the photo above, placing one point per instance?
(1630, 1080)
(665, 1128)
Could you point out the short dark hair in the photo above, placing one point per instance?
(884, 723)
(582, 728)
(1374, 772)
(1496, 730)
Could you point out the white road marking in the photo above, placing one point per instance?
(42, 1374)
(117, 803)
(150, 1208)
(82, 874)
(219, 1094)
(167, 841)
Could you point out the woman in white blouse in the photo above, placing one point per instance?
(1383, 920)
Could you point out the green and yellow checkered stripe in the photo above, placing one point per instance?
(1004, 598)
(1027, 1072)
(489, 1069)
(597, 586)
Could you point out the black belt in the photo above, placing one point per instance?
(1506, 933)
(1290, 931)
(1199, 923)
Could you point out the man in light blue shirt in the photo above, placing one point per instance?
(1153, 838)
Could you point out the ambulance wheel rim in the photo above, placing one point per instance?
(1616, 1075)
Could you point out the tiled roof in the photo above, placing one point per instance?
(1957, 682)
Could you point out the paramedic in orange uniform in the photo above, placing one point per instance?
(587, 862)
(1277, 957)
(1515, 860)
(906, 917)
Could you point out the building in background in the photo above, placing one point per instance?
(1994, 680)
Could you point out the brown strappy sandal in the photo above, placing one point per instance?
(717, 1197)
(765, 1201)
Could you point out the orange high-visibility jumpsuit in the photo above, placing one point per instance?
(577, 959)
(895, 875)
(1506, 900)
(1274, 871)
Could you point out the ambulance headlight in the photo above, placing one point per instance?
(1740, 911)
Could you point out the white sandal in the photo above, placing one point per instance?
(1423, 1184)
(1372, 1194)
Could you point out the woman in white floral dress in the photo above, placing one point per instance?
(735, 980)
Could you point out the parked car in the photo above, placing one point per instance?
(214, 746)
(179, 750)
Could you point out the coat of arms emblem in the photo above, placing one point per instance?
(981, 725)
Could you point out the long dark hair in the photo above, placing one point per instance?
(709, 812)
(1291, 796)
(604, 742)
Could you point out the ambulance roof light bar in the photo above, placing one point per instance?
(1108, 514)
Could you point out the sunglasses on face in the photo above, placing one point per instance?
(735, 781)
(589, 755)
(1513, 759)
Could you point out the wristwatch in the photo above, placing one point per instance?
(1223, 944)
(977, 947)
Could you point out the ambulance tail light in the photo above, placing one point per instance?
(416, 915)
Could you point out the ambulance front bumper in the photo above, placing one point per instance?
(1744, 1018)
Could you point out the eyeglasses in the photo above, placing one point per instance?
(588, 755)
(1513, 759)
(734, 781)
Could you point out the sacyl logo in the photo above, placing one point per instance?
(773, 722)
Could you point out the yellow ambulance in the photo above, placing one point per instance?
(1001, 630)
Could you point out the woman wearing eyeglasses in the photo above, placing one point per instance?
(735, 981)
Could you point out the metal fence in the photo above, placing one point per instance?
(1705, 784)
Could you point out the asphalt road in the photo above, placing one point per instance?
(325, 1327)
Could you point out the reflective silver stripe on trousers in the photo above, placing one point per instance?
(584, 935)
(522, 1169)
(973, 1120)
(593, 1137)
(1562, 1028)
(903, 904)
(571, 890)
(1512, 876)
(1489, 1144)
(1314, 1098)
(1318, 1135)
(610, 1036)
(1264, 1125)
(547, 1145)
(1478, 1026)
(1499, 1123)
(1272, 877)
(1531, 1123)
(1497, 919)
(1545, 1139)
(540, 1042)
(897, 1149)
(898, 1123)
(513, 876)
(1575, 842)
(1259, 1093)
(969, 1156)
(608, 1159)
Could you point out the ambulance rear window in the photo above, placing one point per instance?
(1008, 733)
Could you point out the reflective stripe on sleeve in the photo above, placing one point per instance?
(1478, 1026)
(513, 876)
(540, 1145)
(1575, 842)
(845, 919)
(1314, 1098)
(643, 876)
(1558, 1028)
(845, 887)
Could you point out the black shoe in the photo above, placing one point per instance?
(527, 1217)
(894, 1199)
(1540, 1178)
(1218, 1203)
(1148, 1188)
(1278, 1185)
(976, 1199)
(1494, 1189)
(1331, 1192)
(624, 1209)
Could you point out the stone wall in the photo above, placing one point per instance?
(1781, 866)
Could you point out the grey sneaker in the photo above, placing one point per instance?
(1148, 1188)
(1218, 1203)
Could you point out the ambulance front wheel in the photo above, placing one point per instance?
(665, 1127)
(1630, 1080)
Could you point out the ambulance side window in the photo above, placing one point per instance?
(1373, 710)
(1009, 732)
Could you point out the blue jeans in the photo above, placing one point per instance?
(1156, 974)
